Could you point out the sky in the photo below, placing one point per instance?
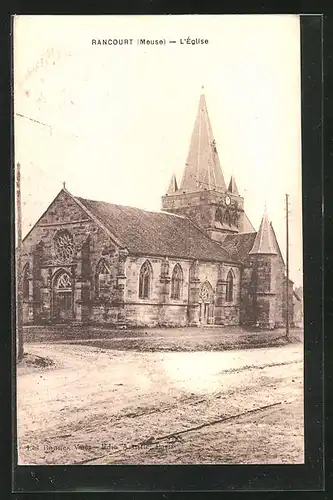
(114, 122)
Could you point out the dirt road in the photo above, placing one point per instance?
(100, 406)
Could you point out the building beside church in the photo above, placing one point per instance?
(198, 261)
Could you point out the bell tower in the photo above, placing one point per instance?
(203, 195)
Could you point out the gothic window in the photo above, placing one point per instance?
(176, 282)
(145, 280)
(204, 293)
(218, 215)
(26, 281)
(103, 279)
(229, 295)
(193, 273)
(235, 217)
(64, 246)
(227, 218)
(64, 282)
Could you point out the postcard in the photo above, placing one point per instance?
(159, 272)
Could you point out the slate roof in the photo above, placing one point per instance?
(239, 245)
(232, 188)
(156, 233)
(265, 242)
(247, 226)
(203, 168)
(173, 187)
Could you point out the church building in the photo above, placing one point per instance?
(199, 261)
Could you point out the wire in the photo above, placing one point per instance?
(52, 129)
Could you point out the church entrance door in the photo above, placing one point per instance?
(204, 309)
(206, 303)
(63, 298)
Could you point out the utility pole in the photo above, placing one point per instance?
(19, 291)
(287, 266)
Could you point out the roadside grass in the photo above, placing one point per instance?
(32, 361)
(163, 339)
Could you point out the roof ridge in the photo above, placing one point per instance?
(164, 212)
(240, 234)
(118, 205)
(170, 213)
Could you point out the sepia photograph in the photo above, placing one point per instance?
(158, 242)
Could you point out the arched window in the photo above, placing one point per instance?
(176, 282)
(218, 215)
(227, 218)
(25, 283)
(64, 282)
(103, 279)
(229, 295)
(145, 280)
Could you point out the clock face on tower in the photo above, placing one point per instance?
(227, 200)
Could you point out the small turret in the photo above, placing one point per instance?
(265, 241)
(232, 186)
(173, 187)
(264, 261)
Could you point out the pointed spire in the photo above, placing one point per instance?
(265, 241)
(203, 169)
(173, 187)
(233, 186)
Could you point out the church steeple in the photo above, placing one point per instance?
(265, 241)
(202, 195)
(203, 170)
(173, 187)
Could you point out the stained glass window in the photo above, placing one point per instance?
(218, 215)
(103, 279)
(227, 218)
(64, 282)
(176, 282)
(204, 293)
(230, 287)
(64, 246)
(145, 280)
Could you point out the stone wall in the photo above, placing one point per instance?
(91, 244)
(278, 281)
(200, 207)
(263, 291)
(259, 308)
(247, 296)
(161, 309)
